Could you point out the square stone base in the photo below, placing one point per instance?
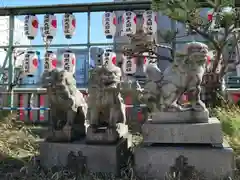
(199, 133)
(180, 117)
(106, 135)
(156, 162)
(99, 158)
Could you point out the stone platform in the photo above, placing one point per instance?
(156, 162)
(104, 135)
(180, 117)
(99, 158)
(183, 133)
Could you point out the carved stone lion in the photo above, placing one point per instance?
(106, 106)
(68, 106)
(164, 89)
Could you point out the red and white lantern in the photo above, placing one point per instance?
(50, 61)
(129, 65)
(50, 26)
(149, 22)
(30, 63)
(109, 22)
(148, 58)
(31, 26)
(69, 61)
(210, 15)
(145, 63)
(109, 58)
(69, 25)
(129, 26)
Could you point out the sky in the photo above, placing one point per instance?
(80, 36)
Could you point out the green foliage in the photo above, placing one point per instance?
(227, 3)
(188, 12)
(4, 114)
(230, 119)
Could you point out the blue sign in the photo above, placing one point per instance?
(81, 74)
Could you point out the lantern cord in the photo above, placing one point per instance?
(46, 41)
(68, 44)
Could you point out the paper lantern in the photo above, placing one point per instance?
(210, 15)
(109, 58)
(50, 61)
(149, 22)
(30, 63)
(109, 24)
(69, 61)
(69, 25)
(31, 26)
(235, 97)
(129, 26)
(148, 58)
(129, 65)
(50, 26)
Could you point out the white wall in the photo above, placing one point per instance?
(19, 37)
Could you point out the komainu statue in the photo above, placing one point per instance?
(106, 107)
(164, 89)
(68, 107)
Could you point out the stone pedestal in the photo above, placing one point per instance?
(183, 133)
(99, 158)
(180, 117)
(187, 147)
(157, 162)
(104, 135)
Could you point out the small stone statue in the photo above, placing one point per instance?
(68, 107)
(106, 107)
(164, 89)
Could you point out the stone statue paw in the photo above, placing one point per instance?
(174, 108)
(199, 106)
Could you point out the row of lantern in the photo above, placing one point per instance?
(129, 63)
(31, 62)
(31, 25)
(129, 23)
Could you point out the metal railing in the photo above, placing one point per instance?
(32, 105)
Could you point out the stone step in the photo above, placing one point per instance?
(183, 133)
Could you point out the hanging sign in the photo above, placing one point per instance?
(212, 18)
(30, 63)
(129, 26)
(129, 65)
(31, 26)
(109, 24)
(69, 61)
(69, 25)
(150, 22)
(148, 58)
(50, 26)
(50, 61)
(109, 58)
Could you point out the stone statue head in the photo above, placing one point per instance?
(196, 53)
(60, 86)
